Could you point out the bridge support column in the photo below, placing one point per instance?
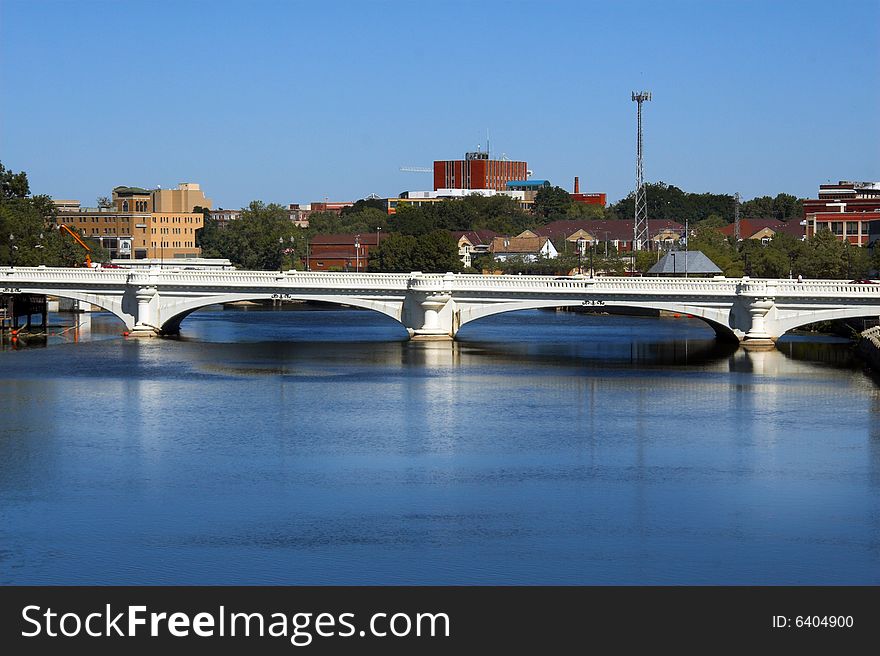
(757, 336)
(146, 322)
(434, 327)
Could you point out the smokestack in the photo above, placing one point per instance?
(577, 188)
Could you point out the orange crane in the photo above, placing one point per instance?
(80, 242)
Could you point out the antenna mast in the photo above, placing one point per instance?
(640, 224)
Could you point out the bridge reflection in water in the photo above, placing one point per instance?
(295, 447)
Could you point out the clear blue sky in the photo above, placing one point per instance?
(295, 101)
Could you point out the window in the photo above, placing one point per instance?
(852, 227)
(836, 227)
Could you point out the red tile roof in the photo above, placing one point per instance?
(750, 227)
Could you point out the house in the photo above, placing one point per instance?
(763, 229)
(617, 232)
(472, 242)
(524, 248)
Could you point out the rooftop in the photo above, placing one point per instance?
(684, 262)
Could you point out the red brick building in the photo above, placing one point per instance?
(341, 252)
(477, 171)
(846, 209)
(596, 198)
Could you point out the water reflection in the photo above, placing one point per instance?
(540, 448)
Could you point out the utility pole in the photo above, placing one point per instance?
(640, 225)
(736, 225)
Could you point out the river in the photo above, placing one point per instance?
(315, 446)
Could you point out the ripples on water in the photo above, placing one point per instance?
(312, 446)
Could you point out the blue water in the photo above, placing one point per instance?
(313, 447)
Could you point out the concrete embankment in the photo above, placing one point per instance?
(869, 347)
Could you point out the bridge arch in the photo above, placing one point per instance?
(786, 322)
(175, 310)
(718, 318)
(118, 306)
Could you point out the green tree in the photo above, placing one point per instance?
(394, 254)
(28, 233)
(823, 256)
(584, 211)
(263, 238)
(15, 185)
(784, 207)
(717, 248)
(363, 204)
(367, 219)
(551, 203)
(434, 252)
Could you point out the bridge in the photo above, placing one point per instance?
(435, 306)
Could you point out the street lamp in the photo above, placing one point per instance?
(580, 246)
(12, 249)
(591, 258)
(357, 253)
(672, 253)
(40, 247)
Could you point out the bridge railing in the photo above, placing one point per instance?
(625, 285)
(432, 282)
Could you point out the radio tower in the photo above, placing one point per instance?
(640, 226)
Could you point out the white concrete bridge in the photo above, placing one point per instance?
(436, 306)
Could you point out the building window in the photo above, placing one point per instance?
(852, 227)
(836, 227)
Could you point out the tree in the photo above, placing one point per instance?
(717, 248)
(585, 211)
(394, 254)
(823, 256)
(104, 203)
(434, 252)
(363, 204)
(784, 207)
(437, 252)
(263, 238)
(28, 233)
(15, 185)
(551, 203)
(367, 219)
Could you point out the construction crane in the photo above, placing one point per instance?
(80, 242)
(416, 169)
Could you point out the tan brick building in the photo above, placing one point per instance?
(142, 223)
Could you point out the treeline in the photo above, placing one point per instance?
(668, 202)
(28, 233)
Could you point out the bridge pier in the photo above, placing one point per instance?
(435, 326)
(147, 302)
(757, 336)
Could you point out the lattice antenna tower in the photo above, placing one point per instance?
(736, 224)
(640, 224)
